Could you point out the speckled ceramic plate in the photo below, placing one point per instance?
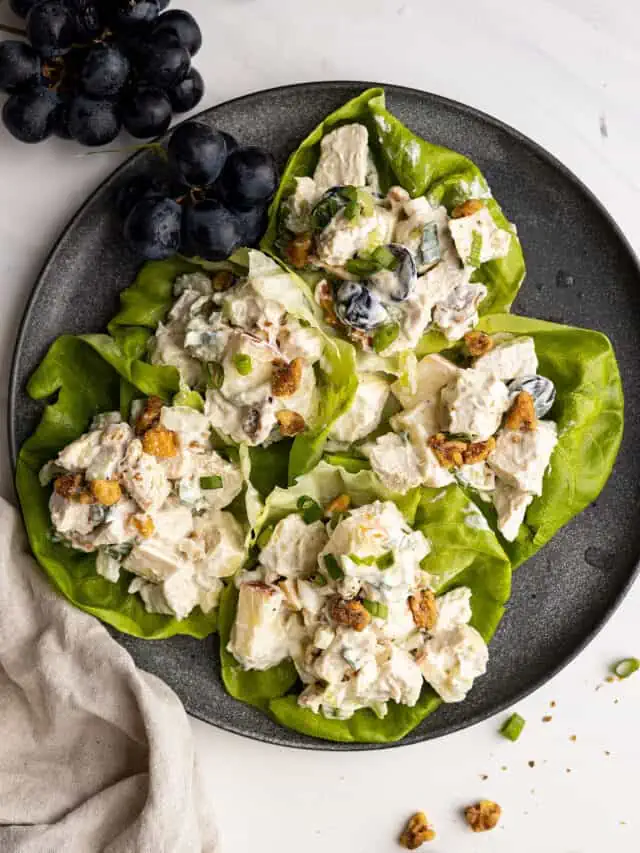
(581, 272)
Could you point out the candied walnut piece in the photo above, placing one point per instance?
(478, 451)
(144, 525)
(291, 423)
(299, 249)
(478, 343)
(417, 831)
(286, 377)
(106, 492)
(222, 280)
(325, 300)
(339, 504)
(448, 451)
(69, 485)
(353, 614)
(522, 414)
(160, 442)
(150, 415)
(424, 609)
(483, 816)
(467, 208)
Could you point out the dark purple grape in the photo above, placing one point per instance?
(164, 62)
(250, 177)
(187, 94)
(184, 26)
(253, 224)
(105, 71)
(88, 19)
(93, 122)
(146, 112)
(22, 7)
(197, 154)
(210, 231)
(153, 228)
(130, 14)
(19, 65)
(30, 115)
(137, 188)
(51, 28)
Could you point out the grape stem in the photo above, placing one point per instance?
(12, 31)
(148, 146)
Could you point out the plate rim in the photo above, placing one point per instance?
(319, 85)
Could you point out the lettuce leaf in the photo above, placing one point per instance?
(422, 168)
(464, 552)
(85, 385)
(589, 411)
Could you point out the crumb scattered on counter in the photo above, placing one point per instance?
(484, 777)
(547, 718)
(483, 816)
(568, 770)
(416, 832)
(573, 738)
(532, 764)
(552, 704)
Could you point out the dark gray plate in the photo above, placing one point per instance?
(581, 271)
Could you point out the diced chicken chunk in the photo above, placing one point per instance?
(474, 403)
(452, 660)
(258, 638)
(294, 547)
(478, 239)
(343, 158)
(509, 360)
(433, 373)
(365, 412)
(521, 458)
(511, 506)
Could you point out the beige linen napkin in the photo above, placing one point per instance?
(95, 755)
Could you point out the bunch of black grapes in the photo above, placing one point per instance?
(210, 198)
(92, 67)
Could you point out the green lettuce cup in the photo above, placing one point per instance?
(443, 195)
(526, 416)
(445, 545)
(134, 522)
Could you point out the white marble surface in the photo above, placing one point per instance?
(565, 72)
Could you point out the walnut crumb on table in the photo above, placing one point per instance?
(483, 816)
(416, 832)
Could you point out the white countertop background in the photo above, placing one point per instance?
(564, 72)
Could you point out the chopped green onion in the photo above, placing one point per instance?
(362, 561)
(385, 336)
(215, 372)
(385, 258)
(381, 611)
(476, 247)
(214, 482)
(242, 363)
(362, 267)
(351, 210)
(366, 201)
(385, 561)
(324, 212)
(265, 535)
(512, 728)
(311, 510)
(318, 580)
(333, 567)
(626, 667)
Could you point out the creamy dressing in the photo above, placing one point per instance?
(292, 606)
(158, 515)
(446, 404)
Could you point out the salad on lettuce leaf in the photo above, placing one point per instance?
(526, 416)
(110, 508)
(401, 238)
(243, 342)
(362, 610)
